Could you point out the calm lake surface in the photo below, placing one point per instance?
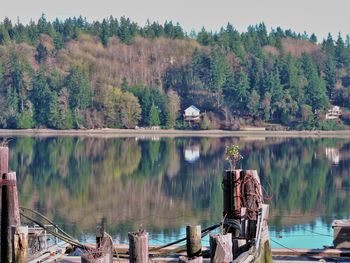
(162, 184)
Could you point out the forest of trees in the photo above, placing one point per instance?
(116, 73)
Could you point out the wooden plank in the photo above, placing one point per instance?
(311, 252)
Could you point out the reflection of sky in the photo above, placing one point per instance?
(305, 236)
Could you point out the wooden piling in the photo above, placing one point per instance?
(193, 241)
(4, 160)
(19, 243)
(232, 201)
(254, 204)
(9, 214)
(4, 168)
(100, 233)
(221, 248)
(138, 247)
(102, 253)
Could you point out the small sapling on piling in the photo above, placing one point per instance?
(233, 156)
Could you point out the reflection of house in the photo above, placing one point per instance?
(192, 154)
(333, 113)
(333, 155)
(192, 113)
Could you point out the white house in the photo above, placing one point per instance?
(333, 113)
(192, 113)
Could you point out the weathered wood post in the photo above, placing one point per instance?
(19, 243)
(100, 233)
(103, 252)
(9, 214)
(252, 210)
(138, 247)
(193, 241)
(4, 168)
(4, 160)
(221, 248)
(232, 202)
(193, 245)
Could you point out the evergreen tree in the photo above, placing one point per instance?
(241, 89)
(154, 116)
(41, 97)
(105, 34)
(341, 56)
(254, 104)
(41, 53)
(313, 38)
(328, 45)
(78, 86)
(330, 75)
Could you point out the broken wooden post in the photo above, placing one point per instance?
(19, 243)
(100, 233)
(138, 247)
(221, 248)
(9, 214)
(103, 253)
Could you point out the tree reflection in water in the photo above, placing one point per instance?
(78, 180)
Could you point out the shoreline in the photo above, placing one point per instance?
(107, 132)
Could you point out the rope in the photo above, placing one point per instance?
(283, 246)
(60, 236)
(46, 219)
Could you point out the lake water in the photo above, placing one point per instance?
(163, 184)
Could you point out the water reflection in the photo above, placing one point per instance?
(76, 181)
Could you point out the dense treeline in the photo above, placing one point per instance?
(115, 73)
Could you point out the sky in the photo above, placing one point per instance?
(313, 16)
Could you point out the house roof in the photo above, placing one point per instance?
(193, 107)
